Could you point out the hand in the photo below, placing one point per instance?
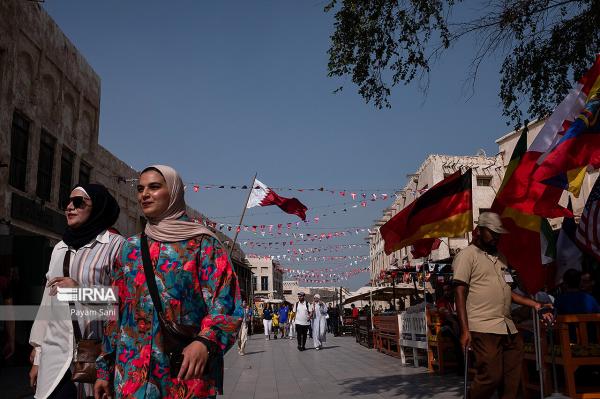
(465, 340)
(9, 349)
(546, 313)
(33, 376)
(102, 390)
(195, 356)
(62, 282)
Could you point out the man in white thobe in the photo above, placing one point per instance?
(319, 322)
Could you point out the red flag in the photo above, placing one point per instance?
(423, 248)
(578, 145)
(522, 244)
(262, 195)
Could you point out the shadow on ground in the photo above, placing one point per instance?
(330, 347)
(420, 386)
(253, 353)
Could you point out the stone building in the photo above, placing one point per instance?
(487, 177)
(49, 115)
(267, 279)
(291, 288)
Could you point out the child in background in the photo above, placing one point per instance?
(275, 324)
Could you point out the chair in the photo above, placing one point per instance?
(441, 353)
(574, 348)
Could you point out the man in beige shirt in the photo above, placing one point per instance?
(483, 302)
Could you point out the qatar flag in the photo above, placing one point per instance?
(262, 195)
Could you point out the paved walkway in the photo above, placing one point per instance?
(343, 369)
(275, 369)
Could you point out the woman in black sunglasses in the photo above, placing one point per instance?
(83, 258)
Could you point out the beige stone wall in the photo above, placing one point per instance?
(45, 78)
(267, 267)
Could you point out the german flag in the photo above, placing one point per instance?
(445, 210)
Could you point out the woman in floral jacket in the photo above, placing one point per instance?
(197, 286)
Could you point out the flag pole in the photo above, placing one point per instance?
(239, 227)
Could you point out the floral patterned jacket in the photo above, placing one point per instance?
(197, 286)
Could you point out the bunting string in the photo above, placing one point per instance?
(333, 248)
(291, 258)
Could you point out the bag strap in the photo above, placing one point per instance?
(66, 267)
(150, 276)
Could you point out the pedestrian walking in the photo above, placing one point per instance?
(292, 323)
(275, 322)
(283, 319)
(319, 318)
(267, 321)
(174, 276)
(483, 302)
(84, 258)
(243, 335)
(302, 318)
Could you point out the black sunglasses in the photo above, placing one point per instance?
(78, 202)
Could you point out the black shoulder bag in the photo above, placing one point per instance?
(175, 336)
(86, 350)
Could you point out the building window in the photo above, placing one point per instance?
(19, 145)
(45, 166)
(484, 181)
(66, 177)
(287, 292)
(264, 283)
(85, 171)
(254, 284)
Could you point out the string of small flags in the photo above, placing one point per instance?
(329, 269)
(332, 248)
(313, 219)
(300, 237)
(354, 193)
(327, 277)
(273, 230)
(291, 258)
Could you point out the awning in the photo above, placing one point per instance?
(385, 294)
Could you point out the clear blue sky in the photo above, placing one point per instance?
(221, 90)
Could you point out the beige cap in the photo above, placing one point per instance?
(317, 296)
(491, 221)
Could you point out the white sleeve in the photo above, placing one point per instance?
(38, 353)
(40, 325)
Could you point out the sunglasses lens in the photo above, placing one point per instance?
(78, 202)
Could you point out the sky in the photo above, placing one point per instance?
(224, 90)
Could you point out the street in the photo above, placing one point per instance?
(343, 369)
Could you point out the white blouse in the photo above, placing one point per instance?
(53, 337)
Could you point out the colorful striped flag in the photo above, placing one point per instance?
(588, 230)
(577, 143)
(527, 242)
(445, 210)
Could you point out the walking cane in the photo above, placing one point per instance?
(539, 360)
(556, 394)
(466, 371)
